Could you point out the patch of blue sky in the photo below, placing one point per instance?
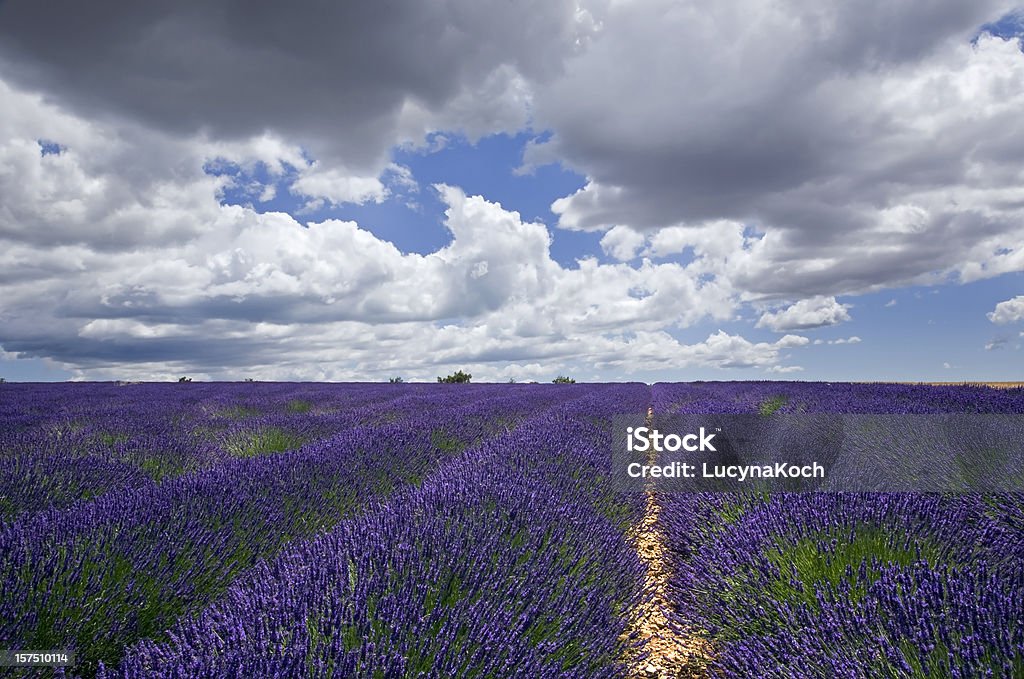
(933, 333)
(48, 147)
(256, 186)
(1010, 25)
(937, 333)
(488, 168)
(412, 218)
(31, 370)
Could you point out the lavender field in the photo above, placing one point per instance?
(408, 530)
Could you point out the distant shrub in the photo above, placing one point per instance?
(562, 379)
(249, 379)
(395, 380)
(184, 379)
(456, 378)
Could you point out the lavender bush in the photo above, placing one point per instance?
(849, 585)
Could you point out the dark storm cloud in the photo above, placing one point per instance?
(811, 121)
(206, 352)
(872, 260)
(332, 76)
(147, 306)
(732, 111)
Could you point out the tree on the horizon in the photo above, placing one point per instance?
(562, 379)
(458, 377)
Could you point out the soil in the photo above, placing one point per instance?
(667, 652)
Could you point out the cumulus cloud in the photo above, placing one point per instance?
(1010, 311)
(622, 243)
(880, 147)
(139, 276)
(338, 186)
(842, 340)
(782, 369)
(806, 314)
(346, 81)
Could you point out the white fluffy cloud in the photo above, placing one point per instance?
(622, 243)
(147, 274)
(842, 340)
(879, 147)
(336, 185)
(806, 314)
(1010, 311)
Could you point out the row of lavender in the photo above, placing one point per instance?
(510, 561)
(849, 585)
(833, 397)
(99, 574)
(63, 444)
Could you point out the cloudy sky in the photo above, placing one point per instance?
(608, 189)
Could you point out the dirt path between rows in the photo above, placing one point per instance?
(670, 653)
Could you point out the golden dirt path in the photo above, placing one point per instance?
(670, 653)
